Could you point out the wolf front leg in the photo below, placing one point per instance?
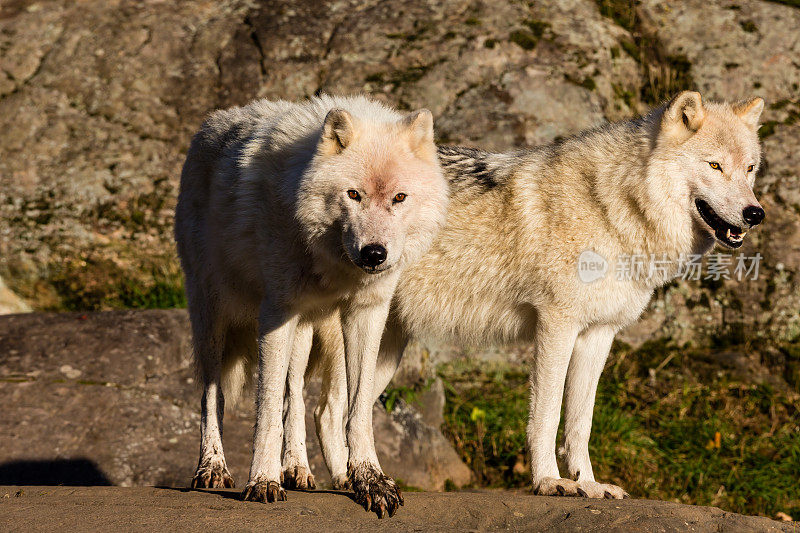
(585, 366)
(296, 471)
(362, 329)
(554, 342)
(276, 339)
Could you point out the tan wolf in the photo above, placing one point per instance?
(291, 216)
(507, 265)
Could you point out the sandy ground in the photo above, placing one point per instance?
(78, 509)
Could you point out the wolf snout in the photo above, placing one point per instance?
(373, 255)
(753, 215)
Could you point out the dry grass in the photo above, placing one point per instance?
(664, 74)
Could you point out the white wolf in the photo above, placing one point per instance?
(292, 216)
(506, 265)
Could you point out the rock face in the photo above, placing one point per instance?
(98, 101)
(110, 398)
(163, 509)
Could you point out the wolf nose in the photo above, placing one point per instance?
(753, 215)
(373, 255)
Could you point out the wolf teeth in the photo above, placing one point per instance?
(735, 237)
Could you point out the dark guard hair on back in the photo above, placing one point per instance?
(469, 167)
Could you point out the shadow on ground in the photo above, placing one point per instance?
(70, 472)
(236, 495)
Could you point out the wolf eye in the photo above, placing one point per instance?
(750, 168)
(399, 197)
(353, 194)
(715, 165)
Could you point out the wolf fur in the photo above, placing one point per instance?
(504, 268)
(278, 203)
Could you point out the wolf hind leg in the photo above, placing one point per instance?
(213, 363)
(212, 471)
(328, 360)
(586, 364)
(296, 470)
(393, 344)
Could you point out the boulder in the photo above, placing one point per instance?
(111, 397)
(81, 509)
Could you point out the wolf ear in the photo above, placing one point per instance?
(419, 126)
(750, 111)
(338, 131)
(685, 114)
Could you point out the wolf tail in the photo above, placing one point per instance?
(238, 363)
(234, 379)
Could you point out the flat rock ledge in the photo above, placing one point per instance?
(76, 509)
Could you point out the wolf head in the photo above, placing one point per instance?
(714, 148)
(375, 192)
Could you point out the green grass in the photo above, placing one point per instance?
(392, 394)
(537, 27)
(791, 3)
(656, 437)
(485, 419)
(91, 284)
(524, 39)
(405, 487)
(401, 77)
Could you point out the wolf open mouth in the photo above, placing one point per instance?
(370, 269)
(729, 235)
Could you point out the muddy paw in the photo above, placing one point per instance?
(264, 492)
(375, 491)
(551, 486)
(212, 477)
(593, 489)
(340, 482)
(298, 477)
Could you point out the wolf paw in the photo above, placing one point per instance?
(298, 477)
(551, 486)
(593, 489)
(212, 477)
(264, 492)
(375, 491)
(340, 482)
